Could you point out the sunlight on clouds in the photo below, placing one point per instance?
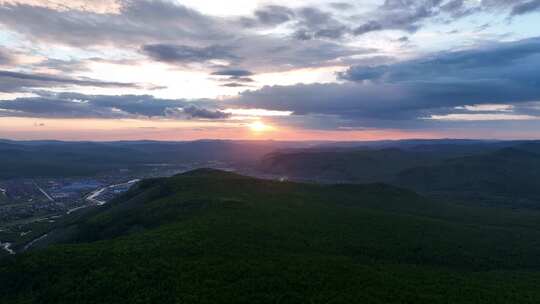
(96, 6)
(195, 83)
(243, 7)
(482, 117)
(257, 112)
(222, 8)
(177, 83)
(12, 96)
(487, 107)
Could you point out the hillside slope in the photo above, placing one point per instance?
(510, 174)
(214, 237)
(351, 165)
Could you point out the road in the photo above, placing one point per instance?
(34, 241)
(92, 197)
(44, 193)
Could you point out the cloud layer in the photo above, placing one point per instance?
(17, 82)
(74, 105)
(503, 73)
(392, 73)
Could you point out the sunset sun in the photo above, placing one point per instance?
(259, 127)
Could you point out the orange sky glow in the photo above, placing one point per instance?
(137, 129)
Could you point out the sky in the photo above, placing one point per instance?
(282, 70)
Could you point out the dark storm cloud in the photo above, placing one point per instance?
(404, 93)
(184, 54)
(74, 105)
(16, 81)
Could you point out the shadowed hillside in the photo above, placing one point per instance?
(352, 165)
(503, 173)
(510, 174)
(208, 236)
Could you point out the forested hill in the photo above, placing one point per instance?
(504, 174)
(208, 236)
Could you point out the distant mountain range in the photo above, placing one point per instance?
(502, 172)
(55, 158)
(477, 171)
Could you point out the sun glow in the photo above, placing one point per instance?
(259, 126)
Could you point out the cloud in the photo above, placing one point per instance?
(236, 77)
(341, 5)
(234, 85)
(67, 66)
(233, 72)
(314, 23)
(97, 6)
(526, 7)
(185, 54)
(512, 61)
(274, 14)
(401, 15)
(17, 81)
(367, 27)
(409, 16)
(483, 117)
(5, 57)
(169, 32)
(403, 93)
(137, 22)
(196, 112)
(74, 105)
